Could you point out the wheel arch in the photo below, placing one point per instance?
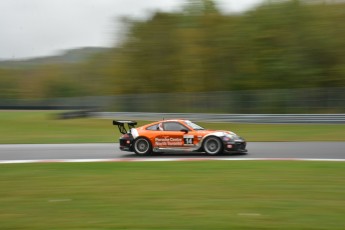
(219, 135)
(145, 138)
(210, 136)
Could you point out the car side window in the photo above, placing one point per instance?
(173, 126)
(153, 127)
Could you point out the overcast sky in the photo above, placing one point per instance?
(32, 28)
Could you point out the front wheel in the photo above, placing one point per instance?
(213, 146)
(142, 146)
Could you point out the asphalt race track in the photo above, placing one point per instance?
(269, 150)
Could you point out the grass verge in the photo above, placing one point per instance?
(173, 195)
(42, 127)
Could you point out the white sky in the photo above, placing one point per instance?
(32, 28)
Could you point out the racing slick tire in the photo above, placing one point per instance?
(213, 146)
(142, 146)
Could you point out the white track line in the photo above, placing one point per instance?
(162, 160)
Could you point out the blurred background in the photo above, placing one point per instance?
(189, 56)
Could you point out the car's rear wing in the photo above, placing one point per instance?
(121, 125)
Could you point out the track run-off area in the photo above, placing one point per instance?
(295, 151)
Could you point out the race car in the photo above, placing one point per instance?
(179, 136)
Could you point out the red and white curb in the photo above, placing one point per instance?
(162, 160)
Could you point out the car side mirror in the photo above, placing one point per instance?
(184, 130)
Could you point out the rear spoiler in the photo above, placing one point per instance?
(121, 125)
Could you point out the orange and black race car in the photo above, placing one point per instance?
(177, 135)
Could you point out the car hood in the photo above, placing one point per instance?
(207, 131)
(220, 133)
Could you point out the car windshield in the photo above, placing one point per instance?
(194, 126)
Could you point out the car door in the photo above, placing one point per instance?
(171, 135)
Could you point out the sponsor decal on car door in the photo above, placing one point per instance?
(169, 140)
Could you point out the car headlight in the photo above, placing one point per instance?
(227, 138)
(230, 136)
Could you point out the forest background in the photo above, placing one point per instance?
(279, 45)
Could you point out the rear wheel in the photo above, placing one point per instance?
(142, 146)
(213, 146)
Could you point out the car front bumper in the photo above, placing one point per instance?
(235, 147)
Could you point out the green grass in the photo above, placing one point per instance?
(42, 127)
(173, 195)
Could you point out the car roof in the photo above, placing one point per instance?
(173, 120)
(169, 120)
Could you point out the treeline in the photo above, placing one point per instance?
(277, 45)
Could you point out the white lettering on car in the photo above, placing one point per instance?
(166, 141)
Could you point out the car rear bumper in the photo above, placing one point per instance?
(126, 144)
